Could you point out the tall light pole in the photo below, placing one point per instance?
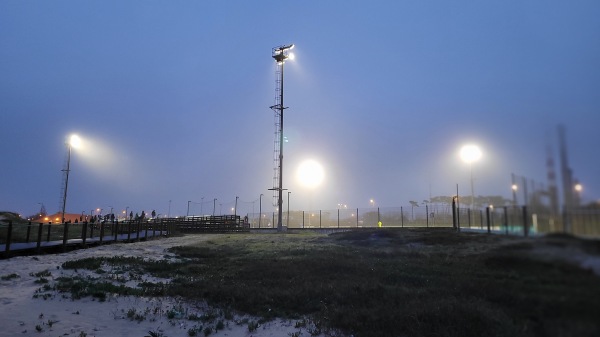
(235, 210)
(74, 142)
(214, 205)
(280, 54)
(514, 188)
(470, 154)
(188, 209)
(201, 210)
(259, 209)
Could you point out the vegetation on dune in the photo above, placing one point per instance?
(387, 282)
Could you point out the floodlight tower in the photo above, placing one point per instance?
(280, 54)
(74, 142)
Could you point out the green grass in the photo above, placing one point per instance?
(390, 282)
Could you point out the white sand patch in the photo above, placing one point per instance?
(23, 315)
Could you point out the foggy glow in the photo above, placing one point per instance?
(291, 56)
(75, 141)
(578, 187)
(310, 173)
(470, 153)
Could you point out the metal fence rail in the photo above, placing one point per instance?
(518, 220)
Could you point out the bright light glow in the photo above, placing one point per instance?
(578, 187)
(291, 56)
(514, 187)
(75, 141)
(310, 173)
(470, 153)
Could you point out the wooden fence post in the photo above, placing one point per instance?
(487, 214)
(28, 232)
(116, 233)
(101, 232)
(525, 224)
(65, 235)
(84, 233)
(39, 238)
(8, 238)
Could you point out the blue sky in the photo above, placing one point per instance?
(172, 99)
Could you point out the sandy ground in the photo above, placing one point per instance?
(23, 315)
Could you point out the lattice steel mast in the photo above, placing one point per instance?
(280, 54)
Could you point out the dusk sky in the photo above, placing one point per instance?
(171, 100)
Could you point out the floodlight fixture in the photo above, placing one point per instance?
(281, 53)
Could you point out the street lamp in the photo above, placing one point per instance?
(235, 208)
(372, 202)
(74, 142)
(188, 209)
(280, 54)
(470, 154)
(214, 205)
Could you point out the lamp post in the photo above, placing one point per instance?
(235, 208)
(74, 142)
(214, 205)
(280, 54)
(514, 188)
(188, 209)
(201, 210)
(470, 154)
(259, 209)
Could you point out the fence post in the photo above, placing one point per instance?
(8, 238)
(454, 213)
(319, 218)
(128, 231)
(39, 238)
(378, 217)
(356, 217)
(139, 229)
(28, 232)
(487, 214)
(401, 217)
(469, 216)
(116, 233)
(154, 228)
(302, 219)
(480, 219)
(427, 215)
(65, 235)
(83, 233)
(525, 224)
(102, 232)
(338, 218)
(49, 228)
(506, 219)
